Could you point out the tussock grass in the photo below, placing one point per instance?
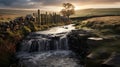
(105, 25)
(108, 26)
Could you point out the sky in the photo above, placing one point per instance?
(56, 5)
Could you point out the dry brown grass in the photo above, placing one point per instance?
(4, 18)
(108, 25)
(108, 22)
(107, 19)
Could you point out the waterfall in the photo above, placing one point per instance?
(47, 49)
(45, 44)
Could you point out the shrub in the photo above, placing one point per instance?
(26, 30)
(32, 26)
(10, 34)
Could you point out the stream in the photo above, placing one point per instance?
(47, 48)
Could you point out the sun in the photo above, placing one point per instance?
(77, 7)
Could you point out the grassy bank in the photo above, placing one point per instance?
(108, 28)
(9, 40)
(102, 25)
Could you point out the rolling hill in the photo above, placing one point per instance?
(96, 12)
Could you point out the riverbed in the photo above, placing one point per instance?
(47, 48)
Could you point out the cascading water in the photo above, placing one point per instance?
(47, 49)
(45, 44)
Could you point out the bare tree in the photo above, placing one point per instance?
(67, 10)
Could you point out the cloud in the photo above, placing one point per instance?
(48, 3)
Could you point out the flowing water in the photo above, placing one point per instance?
(48, 48)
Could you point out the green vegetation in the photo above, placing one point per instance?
(103, 52)
(8, 42)
(10, 38)
(5, 19)
(106, 27)
(102, 25)
(7, 13)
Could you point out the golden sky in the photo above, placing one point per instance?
(56, 5)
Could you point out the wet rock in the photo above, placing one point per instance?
(34, 46)
(91, 56)
(94, 41)
(77, 40)
(111, 38)
(56, 37)
(112, 61)
(95, 38)
(100, 54)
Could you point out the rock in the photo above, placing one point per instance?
(91, 56)
(95, 38)
(111, 38)
(112, 61)
(100, 54)
(94, 41)
(65, 27)
(77, 40)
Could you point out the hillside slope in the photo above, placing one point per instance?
(96, 12)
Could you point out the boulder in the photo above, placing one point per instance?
(112, 61)
(100, 54)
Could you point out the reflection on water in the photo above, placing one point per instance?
(61, 58)
(59, 29)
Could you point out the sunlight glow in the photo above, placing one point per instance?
(116, 5)
(78, 6)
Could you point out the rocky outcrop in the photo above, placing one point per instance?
(77, 40)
